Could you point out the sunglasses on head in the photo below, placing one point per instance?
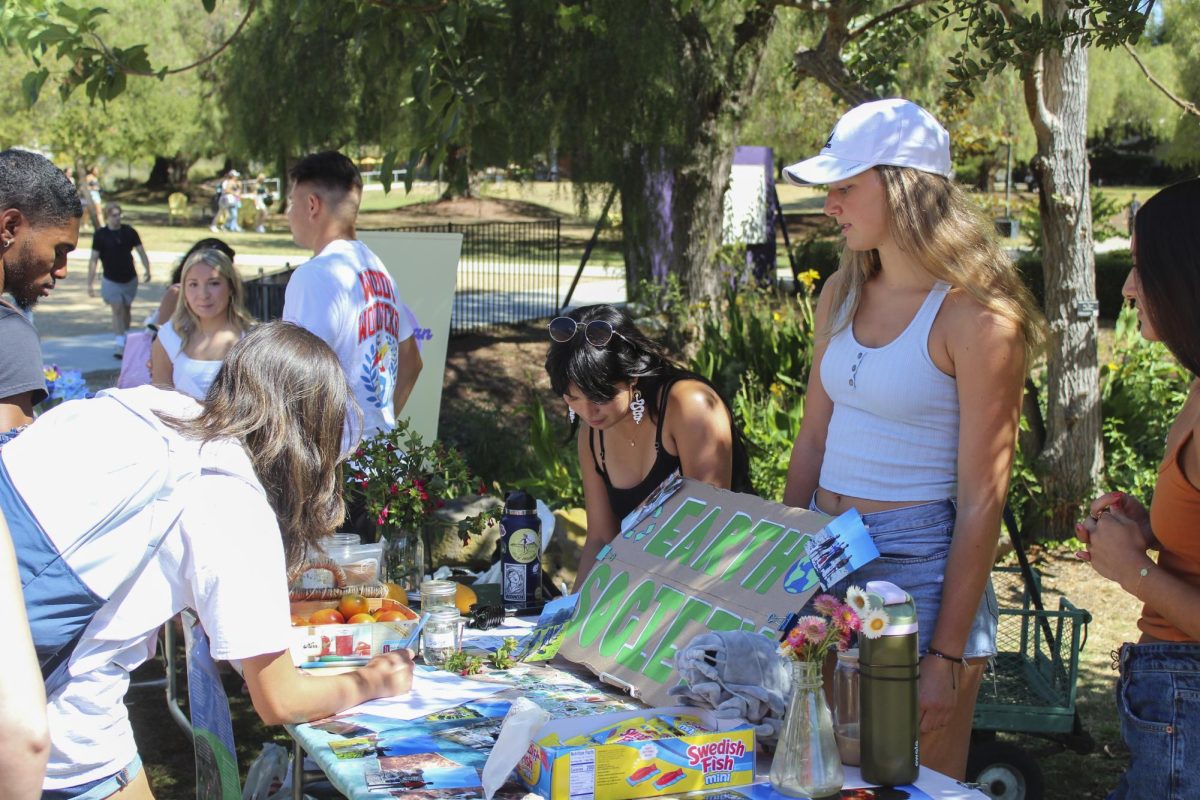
(598, 333)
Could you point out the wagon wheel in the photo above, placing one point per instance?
(1004, 771)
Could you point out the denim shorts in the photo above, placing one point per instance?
(1158, 700)
(99, 788)
(914, 544)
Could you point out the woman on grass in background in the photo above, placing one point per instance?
(1158, 691)
(915, 393)
(179, 504)
(644, 417)
(210, 320)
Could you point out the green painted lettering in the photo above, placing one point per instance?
(662, 662)
(734, 531)
(765, 531)
(597, 578)
(601, 615)
(776, 563)
(695, 537)
(667, 601)
(722, 620)
(626, 619)
(664, 539)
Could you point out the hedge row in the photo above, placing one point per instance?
(1111, 270)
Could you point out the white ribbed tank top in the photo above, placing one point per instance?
(893, 434)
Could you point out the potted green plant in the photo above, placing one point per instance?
(401, 482)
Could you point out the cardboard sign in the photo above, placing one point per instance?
(691, 561)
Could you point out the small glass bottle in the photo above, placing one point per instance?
(442, 636)
(806, 762)
(438, 594)
(845, 706)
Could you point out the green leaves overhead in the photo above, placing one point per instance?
(1000, 36)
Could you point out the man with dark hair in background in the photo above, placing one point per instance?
(345, 295)
(39, 225)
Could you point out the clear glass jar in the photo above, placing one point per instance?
(845, 706)
(806, 762)
(343, 539)
(442, 636)
(438, 594)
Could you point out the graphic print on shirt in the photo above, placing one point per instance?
(378, 337)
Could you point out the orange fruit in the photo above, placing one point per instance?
(299, 620)
(396, 592)
(353, 604)
(394, 615)
(359, 619)
(464, 598)
(326, 616)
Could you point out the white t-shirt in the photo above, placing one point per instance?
(190, 375)
(91, 460)
(346, 296)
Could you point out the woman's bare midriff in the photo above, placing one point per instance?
(834, 504)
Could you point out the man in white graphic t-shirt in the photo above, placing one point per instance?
(345, 294)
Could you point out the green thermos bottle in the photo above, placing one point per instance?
(888, 672)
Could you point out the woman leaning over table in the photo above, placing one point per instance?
(915, 392)
(1158, 691)
(168, 504)
(644, 418)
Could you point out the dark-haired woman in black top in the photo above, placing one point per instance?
(643, 418)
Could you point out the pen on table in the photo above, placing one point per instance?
(414, 637)
(349, 662)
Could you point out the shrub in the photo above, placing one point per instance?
(756, 332)
(770, 419)
(1144, 387)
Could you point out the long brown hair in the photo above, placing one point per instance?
(934, 221)
(283, 393)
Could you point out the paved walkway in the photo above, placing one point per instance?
(76, 329)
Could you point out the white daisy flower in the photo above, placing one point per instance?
(857, 599)
(874, 623)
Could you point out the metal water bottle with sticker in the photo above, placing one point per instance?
(888, 672)
(520, 550)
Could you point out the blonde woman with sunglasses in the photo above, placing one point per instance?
(643, 417)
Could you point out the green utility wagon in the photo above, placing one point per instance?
(1032, 687)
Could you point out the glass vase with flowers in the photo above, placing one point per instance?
(806, 761)
(400, 481)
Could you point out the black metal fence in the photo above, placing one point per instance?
(508, 272)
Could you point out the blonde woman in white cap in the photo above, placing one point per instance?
(913, 401)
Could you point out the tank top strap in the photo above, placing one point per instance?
(664, 396)
(599, 465)
(927, 313)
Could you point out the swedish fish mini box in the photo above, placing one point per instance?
(634, 754)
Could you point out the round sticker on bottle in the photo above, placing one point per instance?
(523, 545)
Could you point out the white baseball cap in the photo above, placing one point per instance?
(895, 132)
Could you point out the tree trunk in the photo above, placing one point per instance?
(458, 173)
(1056, 96)
(168, 171)
(671, 199)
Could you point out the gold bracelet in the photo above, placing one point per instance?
(1137, 587)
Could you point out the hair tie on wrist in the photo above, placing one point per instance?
(930, 651)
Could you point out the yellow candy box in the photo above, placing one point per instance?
(603, 766)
